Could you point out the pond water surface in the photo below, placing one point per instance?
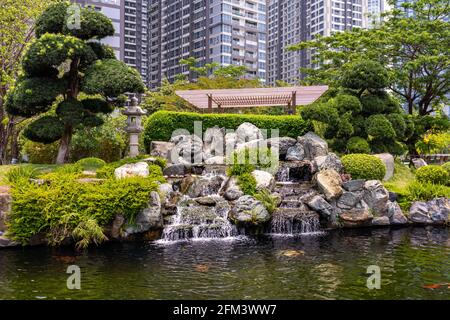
(328, 266)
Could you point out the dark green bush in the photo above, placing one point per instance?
(379, 127)
(433, 174)
(161, 124)
(46, 129)
(364, 166)
(346, 102)
(358, 145)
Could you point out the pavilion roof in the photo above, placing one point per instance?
(252, 97)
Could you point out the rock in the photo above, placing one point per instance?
(249, 211)
(329, 183)
(254, 144)
(5, 206)
(356, 218)
(177, 170)
(231, 190)
(164, 190)
(248, 132)
(418, 212)
(89, 173)
(7, 243)
(395, 214)
(233, 194)
(264, 180)
(218, 160)
(282, 144)
(295, 153)
(418, 163)
(207, 201)
(381, 221)
(354, 185)
(376, 196)
(439, 210)
(320, 205)
(330, 161)
(349, 200)
(230, 141)
(132, 170)
(388, 161)
(161, 149)
(393, 196)
(188, 149)
(116, 227)
(148, 219)
(313, 145)
(205, 186)
(213, 143)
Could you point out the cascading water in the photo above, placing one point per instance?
(202, 213)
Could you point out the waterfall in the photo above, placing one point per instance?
(195, 221)
(296, 223)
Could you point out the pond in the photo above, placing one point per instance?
(332, 265)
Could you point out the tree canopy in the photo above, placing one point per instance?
(69, 77)
(412, 44)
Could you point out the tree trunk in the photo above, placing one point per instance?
(64, 146)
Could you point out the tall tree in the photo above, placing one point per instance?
(68, 76)
(413, 43)
(16, 33)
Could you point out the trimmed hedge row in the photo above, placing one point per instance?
(161, 124)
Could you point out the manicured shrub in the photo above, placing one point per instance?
(161, 124)
(446, 166)
(364, 166)
(358, 145)
(65, 207)
(91, 163)
(433, 174)
(379, 127)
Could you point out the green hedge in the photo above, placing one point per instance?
(161, 124)
(364, 166)
(432, 174)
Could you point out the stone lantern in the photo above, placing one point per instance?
(134, 125)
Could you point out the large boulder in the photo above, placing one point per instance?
(388, 161)
(376, 196)
(231, 190)
(381, 221)
(264, 179)
(248, 132)
(435, 211)
(148, 219)
(330, 161)
(188, 149)
(356, 218)
(329, 183)
(349, 200)
(253, 144)
(320, 205)
(313, 145)
(354, 185)
(281, 144)
(5, 206)
(419, 162)
(217, 160)
(161, 149)
(139, 169)
(395, 214)
(213, 143)
(295, 153)
(249, 211)
(205, 186)
(230, 141)
(175, 170)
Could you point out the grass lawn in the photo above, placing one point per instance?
(403, 176)
(41, 167)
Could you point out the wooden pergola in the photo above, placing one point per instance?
(219, 100)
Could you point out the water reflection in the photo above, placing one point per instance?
(327, 266)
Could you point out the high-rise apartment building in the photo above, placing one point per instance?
(292, 21)
(375, 8)
(130, 20)
(229, 32)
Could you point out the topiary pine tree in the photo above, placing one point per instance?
(69, 79)
(360, 114)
